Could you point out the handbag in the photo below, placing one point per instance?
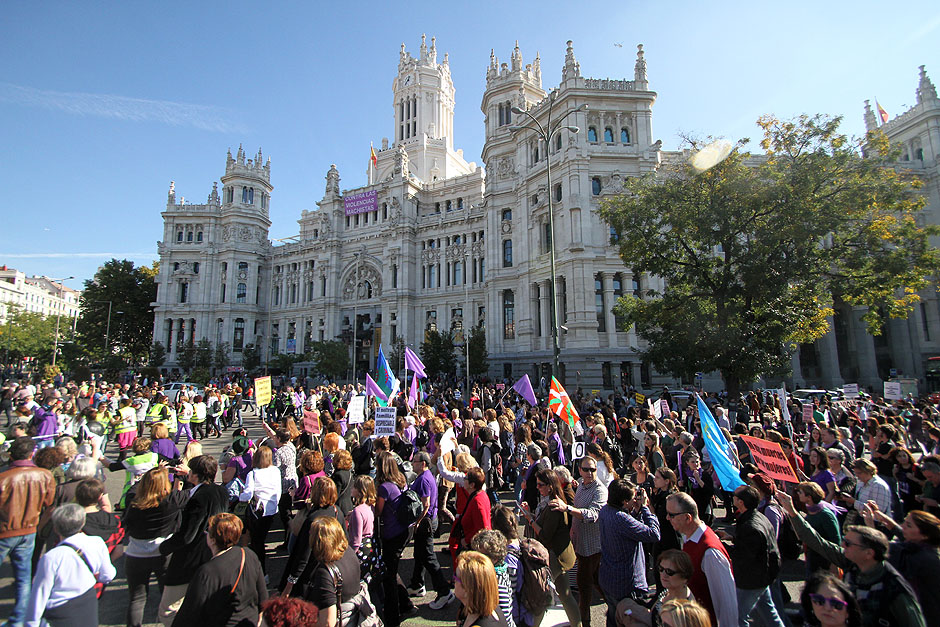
(358, 611)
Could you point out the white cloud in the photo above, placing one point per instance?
(205, 117)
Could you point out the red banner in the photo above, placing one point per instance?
(769, 458)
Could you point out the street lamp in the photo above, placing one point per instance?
(58, 311)
(546, 134)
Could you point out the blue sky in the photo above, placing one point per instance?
(103, 104)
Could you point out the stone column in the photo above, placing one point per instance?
(545, 309)
(829, 357)
(902, 351)
(798, 381)
(607, 279)
(561, 289)
(865, 351)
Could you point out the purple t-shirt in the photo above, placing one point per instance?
(426, 486)
(165, 447)
(391, 528)
(242, 465)
(824, 478)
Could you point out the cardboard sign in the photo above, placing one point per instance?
(664, 408)
(893, 390)
(263, 390)
(356, 411)
(595, 392)
(769, 458)
(850, 390)
(578, 450)
(807, 412)
(448, 441)
(385, 421)
(640, 399)
(500, 386)
(311, 423)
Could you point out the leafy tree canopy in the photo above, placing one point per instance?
(437, 353)
(479, 359)
(756, 250)
(331, 358)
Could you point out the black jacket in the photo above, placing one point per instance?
(343, 480)
(755, 557)
(187, 547)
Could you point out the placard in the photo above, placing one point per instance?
(850, 390)
(664, 408)
(356, 410)
(640, 399)
(385, 421)
(578, 450)
(311, 422)
(769, 458)
(893, 390)
(595, 393)
(500, 386)
(807, 412)
(361, 203)
(263, 390)
(448, 441)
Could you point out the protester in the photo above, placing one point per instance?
(63, 590)
(336, 571)
(589, 498)
(262, 492)
(394, 535)
(425, 486)
(828, 602)
(229, 588)
(682, 613)
(476, 586)
(494, 545)
(322, 502)
(822, 518)
(360, 522)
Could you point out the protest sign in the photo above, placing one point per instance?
(578, 450)
(500, 386)
(385, 421)
(640, 399)
(850, 390)
(769, 458)
(807, 412)
(356, 411)
(595, 393)
(893, 390)
(664, 408)
(263, 390)
(311, 422)
(448, 441)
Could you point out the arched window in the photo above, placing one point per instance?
(241, 293)
(557, 192)
(509, 315)
(624, 135)
(199, 236)
(196, 267)
(243, 265)
(558, 142)
(238, 337)
(230, 195)
(277, 295)
(189, 236)
(596, 185)
(184, 292)
(507, 214)
(251, 195)
(599, 304)
(635, 286)
(507, 253)
(179, 236)
(592, 134)
(535, 153)
(609, 135)
(244, 194)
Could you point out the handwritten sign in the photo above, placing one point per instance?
(807, 412)
(578, 450)
(893, 390)
(664, 408)
(384, 421)
(263, 390)
(311, 422)
(850, 390)
(640, 399)
(769, 458)
(356, 411)
(500, 386)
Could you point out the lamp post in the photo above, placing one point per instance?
(58, 311)
(546, 133)
(355, 319)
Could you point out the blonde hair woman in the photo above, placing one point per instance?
(682, 613)
(475, 586)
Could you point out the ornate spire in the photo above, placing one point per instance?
(572, 68)
(925, 89)
(639, 70)
(258, 158)
(870, 122)
(332, 181)
(516, 58)
(432, 55)
(214, 194)
(424, 48)
(537, 68)
(240, 158)
(171, 195)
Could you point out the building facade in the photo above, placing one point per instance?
(37, 294)
(441, 243)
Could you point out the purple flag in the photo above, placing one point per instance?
(373, 389)
(524, 387)
(414, 364)
(413, 392)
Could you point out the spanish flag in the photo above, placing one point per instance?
(375, 160)
(881, 112)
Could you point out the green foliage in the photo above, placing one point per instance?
(437, 353)
(157, 355)
(331, 358)
(754, 250)
(251, 358)
(81, 373)
(186, 357)
(396, 354)
(479, 359)
(130, 290)
(203, 356)
(49, 372)
(27, 334)
(284, 362)
(200, 375)
(220, 357)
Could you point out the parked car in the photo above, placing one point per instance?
(173, 390)
(815, 394)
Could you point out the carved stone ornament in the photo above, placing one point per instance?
(368, 277)
(243, 275)
(506, 227)
(505, 168)
(476, 249)
(245, 234)
(227, 233)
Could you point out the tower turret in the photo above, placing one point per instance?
(925, 88)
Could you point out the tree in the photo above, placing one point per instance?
(437, 353)
(129, 290)
(186, 357)
(157, 355)
(203, 357)
(220, 359)
(479, 359)
(27, 334)
(251, 358)
(756, 251)
(396, 354)
(284, 362)
(331, 358)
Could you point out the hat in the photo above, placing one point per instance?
(764, 483)
(240, 445)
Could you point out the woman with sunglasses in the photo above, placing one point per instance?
(828, 602)
(664, 484)
(552, 528)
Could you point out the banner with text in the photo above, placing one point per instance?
(361, 203)
(356, 411)
(263, 390)
(385, 421)
(893, 391)
(769, 457)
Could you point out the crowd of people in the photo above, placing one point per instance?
(621, 506)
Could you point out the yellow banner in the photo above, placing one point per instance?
(640, 398)
(263, 390)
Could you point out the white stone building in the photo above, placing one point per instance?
(38, 294)
(438, 242)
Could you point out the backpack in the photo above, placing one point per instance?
(408, 507)
(422, 439)
(537, 593)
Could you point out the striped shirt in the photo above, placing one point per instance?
(585, 530)
(504, 585)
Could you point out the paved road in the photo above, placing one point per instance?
(113, 604)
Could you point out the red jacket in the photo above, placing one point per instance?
(476, 516)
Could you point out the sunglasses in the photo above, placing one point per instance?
(820, 600)
(674, 514)
(588, 469)
(847, 542)
(668, 571)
